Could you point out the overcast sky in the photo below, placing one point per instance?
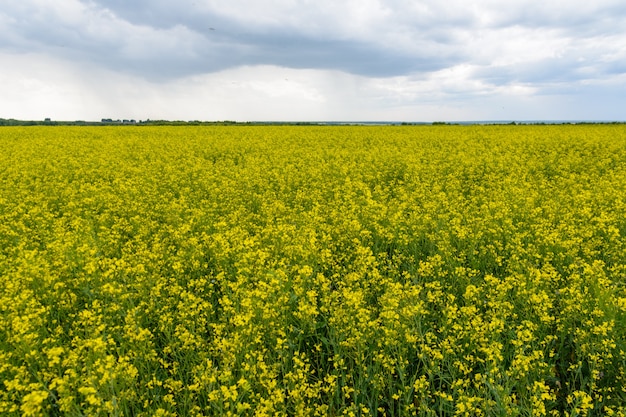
(396, 60)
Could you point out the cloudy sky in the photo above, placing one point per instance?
(245, 60)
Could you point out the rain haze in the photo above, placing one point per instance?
(393, 60)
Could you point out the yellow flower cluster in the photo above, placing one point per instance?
(311, 270)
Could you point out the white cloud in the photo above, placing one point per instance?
(311, 60)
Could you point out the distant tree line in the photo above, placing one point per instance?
(148, 122)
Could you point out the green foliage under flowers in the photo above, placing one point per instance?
(310, 270)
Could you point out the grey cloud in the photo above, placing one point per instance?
(213, 42)
(163, 39)
(547, 71)
(574, 65)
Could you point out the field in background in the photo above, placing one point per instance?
(435, 270)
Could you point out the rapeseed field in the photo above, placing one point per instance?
(313, 271)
